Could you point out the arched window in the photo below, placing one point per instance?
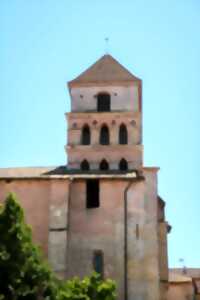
(104, 165)
(104, 135)
(103, 102)
(123, 165)
(85, 165)
(123, 135)
(85, 139)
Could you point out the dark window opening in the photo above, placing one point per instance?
(92, 192)
(104, 135)
(103, 102)
(98, 262)
(123, 135)
(123, 165)
(104, 165)
(86, 135)
(8, 180)
(137, 231)
(85, 165)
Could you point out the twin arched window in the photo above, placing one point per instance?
(123, 165)
(104, 166)
(104, 136)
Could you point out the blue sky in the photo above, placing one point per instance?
(46, 43)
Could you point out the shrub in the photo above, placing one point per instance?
(92, 287)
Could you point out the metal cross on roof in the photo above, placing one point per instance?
(106, 45)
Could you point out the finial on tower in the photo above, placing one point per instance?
(106, 45)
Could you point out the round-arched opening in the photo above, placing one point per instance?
(123, 165)
(123, 135)
(103, 102)
(104, 135)
(85, 165)
(85, 139)
(104, 166)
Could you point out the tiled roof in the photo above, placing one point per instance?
(63, 172)
(106, 69)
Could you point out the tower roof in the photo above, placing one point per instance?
(105, 70)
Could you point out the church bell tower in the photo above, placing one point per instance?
(115, 218)
(104, 125)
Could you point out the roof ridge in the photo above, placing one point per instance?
(105, 69)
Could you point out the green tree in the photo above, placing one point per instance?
(24, 275)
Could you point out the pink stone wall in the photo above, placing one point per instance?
(103, 229)
(113, 120)
(143, 267)
(57, 203)
(180, 291)
(35, 196)
(124, 98)
(94, 153)
(113, 154)
(97, 229)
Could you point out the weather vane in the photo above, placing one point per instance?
(182, 261)
(106, 45)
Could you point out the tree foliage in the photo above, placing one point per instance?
(90, 288)
(24, 275)
(23, 272)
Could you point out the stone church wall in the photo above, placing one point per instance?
(94, 152)
(97, 229)
(34, 198)
(181, 291)
(76, 122)
(102, 229)
(123, 98)
(143, 268)
(70, 236)
(45, 204)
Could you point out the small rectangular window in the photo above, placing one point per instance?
(92, 193)
(98, 262)
(137, 231)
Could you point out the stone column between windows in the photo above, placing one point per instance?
(131, 135)
(95, 131)
(114, 132)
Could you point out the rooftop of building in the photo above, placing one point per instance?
(183, 275)
(105, 70)
(64, 172)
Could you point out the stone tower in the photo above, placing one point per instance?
(102, 211)
(105, 122)
(116, 220)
